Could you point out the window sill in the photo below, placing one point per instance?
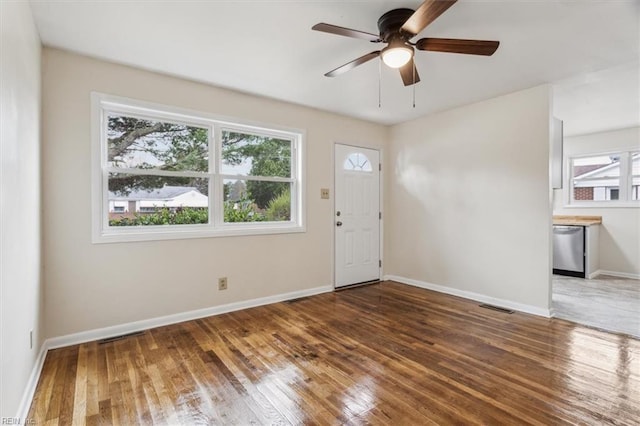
(601, 205)
(195, 231)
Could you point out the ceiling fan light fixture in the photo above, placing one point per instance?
(396, 55)
(396, 29)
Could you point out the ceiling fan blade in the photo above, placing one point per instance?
(469, 47)
(426, 14)
(409, 72)
(351, 65)
(347, 32)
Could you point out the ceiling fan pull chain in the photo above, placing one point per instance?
(380, 84)
(414, 85)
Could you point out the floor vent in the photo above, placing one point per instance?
(123, 336)
(497, 308)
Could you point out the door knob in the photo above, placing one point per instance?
(338, 223)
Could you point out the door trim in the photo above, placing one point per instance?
(333, 209)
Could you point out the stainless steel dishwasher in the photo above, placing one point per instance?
(568, 250)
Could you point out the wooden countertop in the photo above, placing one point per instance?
(577, 220)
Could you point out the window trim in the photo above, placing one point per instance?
(625, 182)
(102, 104)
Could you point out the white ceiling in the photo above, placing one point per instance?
(267, 48)
(598, 101)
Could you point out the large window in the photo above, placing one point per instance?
(163, 173)
(605, 180)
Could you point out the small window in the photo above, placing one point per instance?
(357, 162)
(144, 209)
(610, 179)
(256, 169)
(162, 173)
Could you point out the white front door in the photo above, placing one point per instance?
(357, 215)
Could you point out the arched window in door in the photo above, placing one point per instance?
(357, 162)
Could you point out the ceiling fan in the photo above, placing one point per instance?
(397, 27)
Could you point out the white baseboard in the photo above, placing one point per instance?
(593, 274)
(32, 383)
(117, 330)
(615, 274)
(132, 327)
(529, 309)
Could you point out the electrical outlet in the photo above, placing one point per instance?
(324, 193)
(222, 283)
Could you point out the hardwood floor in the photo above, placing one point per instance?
(380, 354)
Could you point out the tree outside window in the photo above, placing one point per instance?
(160, 169)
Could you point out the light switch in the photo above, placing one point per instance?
(324, 193)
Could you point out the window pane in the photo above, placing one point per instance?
(596, 178)
(256, 201)
(141, 200)
(252, 155)
(357, 162)
(148, 144)
(613, 193)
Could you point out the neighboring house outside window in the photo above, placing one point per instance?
(150, 201)
(605, 179)
(161, 173)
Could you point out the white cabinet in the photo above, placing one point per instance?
(556, 153)
(592, 252)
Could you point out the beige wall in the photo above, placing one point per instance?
(20, 283)
(620, 229)
(91, 286)
(468, 191)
